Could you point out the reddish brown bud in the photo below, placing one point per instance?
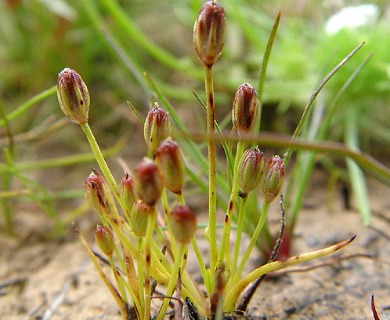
(105, 239)
(73, 96)
(209, 33)
(183, 223)
(139, 218)
(94, 191)
(170, 162)
(157, 128)
(127, 192)
(148, 182)
(245, 111)
(273, 178)
(250, 170)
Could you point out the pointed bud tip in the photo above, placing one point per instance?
(73, 96)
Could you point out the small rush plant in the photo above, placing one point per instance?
(146, 227)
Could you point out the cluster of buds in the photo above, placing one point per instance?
(253, 171)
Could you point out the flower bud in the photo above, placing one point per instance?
(105, 239)
(170, 162)
(272, 179)
(245, 111)
(148, 182)
(139, 218)
(73, 96)
(209, 33)
(157, 128)
(250, 170)
(128, 193)
(183, 223)
(94, 191)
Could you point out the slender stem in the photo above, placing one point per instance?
(102, 163)
(237, 244)
(224, 252)
(212, 229)
(172, 281)
(148, 262)
(141, 280)
(235, 291)
(256, 233)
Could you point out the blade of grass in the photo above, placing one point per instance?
(309, 105)
(358, 182)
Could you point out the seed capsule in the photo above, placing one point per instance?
(94, 191)
(139, 218)
(245, 111)
(148, 182)
(209, 33)
(128, 193)
(105, 239)
(170, 162)
(273, 178)
(157, 128)
(250, 170)
(73, 96)
(183, 223)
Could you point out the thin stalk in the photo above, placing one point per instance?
(239, 286)
(240, 226)
(256, 233)
(212, 158)
(141, 280)
(119, 301)
(358, 182)
(264, 65)
(314, 95)
(102, 164)
(172, 281)
(224, 251)
(148, 262)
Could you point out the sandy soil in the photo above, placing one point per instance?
(52, 280)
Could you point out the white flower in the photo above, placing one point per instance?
(352, 17)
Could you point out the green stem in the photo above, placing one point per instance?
(172, 281)
(212, 230)
(252, 242)
(240, 225)
(239, 286)
(148, 262)
(102, 163)
(224, 250)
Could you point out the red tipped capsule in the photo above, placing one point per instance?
(73, 96)
(183, 223)
(273, 178)
(148, 182)
(128, 193)
(157, 128)
(245, 111)
(209, 33)
(139, 218)
(250, 170)
(94, 190)
(105, 239)
(170, 162)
